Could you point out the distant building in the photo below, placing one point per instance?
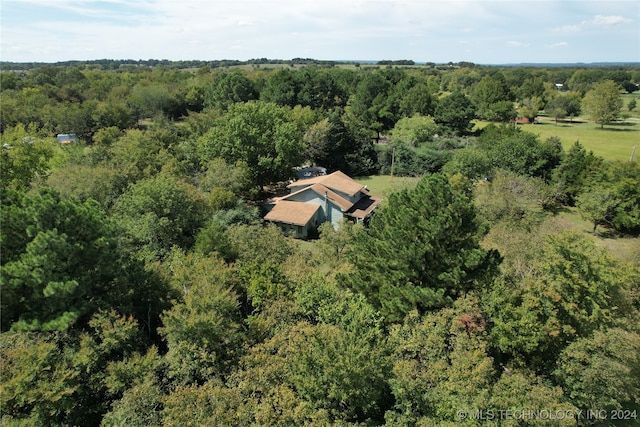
(325, 198)
(67, 138)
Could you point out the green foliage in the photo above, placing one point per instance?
(603, 103)
(470, 162)
(323, 367)
(455, 112)
(60, 262)
(519, 151)
(82, 182)
(203, 330)
(139, 407)
(158, 213)
(597, 206)
(421, 251)
(516, 199)
(260, 134)
(230, 89)
(232, 177)
(573, 290)
(414, 130)
(575, 171)
(564, 105)
(530, 107)
(409, 161)
(441, 365)
(613, 198)
(372, 104)
(392, 324)
(213, 238)
(59, 379)
(493, 99)
(23, 157)
(603, 370)
(337, 243)
(139, 154)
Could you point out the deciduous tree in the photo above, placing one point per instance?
(260, 134)
(603, 103)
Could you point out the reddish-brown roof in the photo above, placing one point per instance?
(292, 212)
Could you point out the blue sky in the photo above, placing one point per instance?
(480, 31)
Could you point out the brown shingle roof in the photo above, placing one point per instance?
(292, 212)
(336, 181)
(321, 191)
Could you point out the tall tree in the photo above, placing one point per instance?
(603, 103)
(421, 251)
(158, 213)
(229, 89)
(455, 112)
(259, 133)
(61, 262)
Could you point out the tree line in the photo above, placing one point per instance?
(140, 287)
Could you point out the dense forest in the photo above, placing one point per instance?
(141, 287)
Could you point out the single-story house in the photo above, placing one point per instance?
(326, 198)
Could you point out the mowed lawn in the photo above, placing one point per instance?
(383, 185)
(614, 142)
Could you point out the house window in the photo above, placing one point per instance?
(299, 229)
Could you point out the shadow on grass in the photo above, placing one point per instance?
(612, 128)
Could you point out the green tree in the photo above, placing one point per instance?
(455, 112)
(603, 370)
(414, 130)
(492, 98)
(420, 251)
(373, 105)
(63, 379)
(575, 171)
(158, 213)
(337, 244)
(471, 162)
(519, 151)
(563, 105)
(24, 157)
(529, 108)
(597, 205)
(203, 329)
(260, 134)
(603, 103)
(229, 89)
(61, 262)
(570, 290)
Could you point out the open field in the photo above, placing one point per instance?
(614, 142)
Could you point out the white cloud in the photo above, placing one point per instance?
(605, 21)
(596, 21)
(557, 45)
(517, 44)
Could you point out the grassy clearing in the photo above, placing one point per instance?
(625, 248)
(383, 185)
(614, 142)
